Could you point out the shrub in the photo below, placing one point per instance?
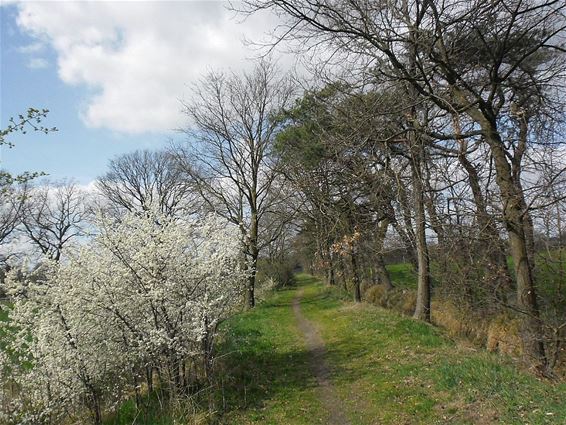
(401, 300)
(145, 295)
(279, 271)
(374, 294)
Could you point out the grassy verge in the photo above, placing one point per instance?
(153, 412)
(265, 376)
(391, 369)
(387, 369)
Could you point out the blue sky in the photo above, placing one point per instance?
(75, 151)
(112, 75)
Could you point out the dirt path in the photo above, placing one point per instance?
(320, 369)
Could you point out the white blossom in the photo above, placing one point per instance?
(147, 291)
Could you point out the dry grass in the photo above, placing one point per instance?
(503, 335)
(374, 294)
(401, 300)
(499, 334)
(459, 321)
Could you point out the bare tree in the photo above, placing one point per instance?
(488, 61)
(54, 214)
(11, 203)
(144, 179)
(13, 187)
(229, 155)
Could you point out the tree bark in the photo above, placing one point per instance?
(250, 290)
(513, 215)
(422, 308)
(253, 255)
(514, 211)
(417, 158)
(489, 235)
(382, 273)
(356, 276)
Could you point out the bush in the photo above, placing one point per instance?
(460, 321)
(374, 294)
(281, 272)
(138, 305)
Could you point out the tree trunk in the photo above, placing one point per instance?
(417, 158)
(382, 273)
(250, 290)
(97, 415)
(149, 378)
(422, 308)
(489, 235)
(513, 214)
(331, 274)
(356, 276)
(514, 211)
(95, 408)
(254, 254)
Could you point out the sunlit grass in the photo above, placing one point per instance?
(391, 369)
(386, 368)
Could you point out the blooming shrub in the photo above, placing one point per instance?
(137, 303)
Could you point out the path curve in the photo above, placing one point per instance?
(320, 369)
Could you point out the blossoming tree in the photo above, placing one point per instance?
(137, 305)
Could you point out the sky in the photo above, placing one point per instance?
(112, 74)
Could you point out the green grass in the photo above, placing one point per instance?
(150, 414)
(402, 275)
(388, 369)
(265, 376)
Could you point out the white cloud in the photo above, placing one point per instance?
(138, 57)
(37, 63)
